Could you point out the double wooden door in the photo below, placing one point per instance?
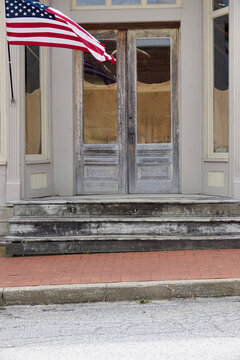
(126, 115)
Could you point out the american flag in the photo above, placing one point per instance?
(31, 23)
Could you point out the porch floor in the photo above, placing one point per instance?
(119, 267)
(118, 198)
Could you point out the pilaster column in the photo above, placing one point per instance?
(234, 122)
(3, 101)
(15, 114)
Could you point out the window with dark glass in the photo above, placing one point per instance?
(221, 84)
(220, 4)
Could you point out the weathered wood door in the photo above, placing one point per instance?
(126, 116)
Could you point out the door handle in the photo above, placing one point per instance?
(131, 136)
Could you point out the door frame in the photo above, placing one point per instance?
(123, 112)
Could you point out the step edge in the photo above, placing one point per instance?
(174, 219)
(117, 237)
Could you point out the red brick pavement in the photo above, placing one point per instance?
(105, 268)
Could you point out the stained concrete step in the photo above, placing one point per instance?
(115, 243)
(123, 223)
(161, 207)
(182, 226)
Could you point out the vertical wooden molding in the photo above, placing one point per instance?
(13, 129)
(132, 107)
(235, 98)
(175, 106)
(78, 121)
(122, 111)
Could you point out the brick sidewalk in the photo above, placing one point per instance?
(105, 268)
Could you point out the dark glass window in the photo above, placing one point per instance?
(221, 83)
(219, 4)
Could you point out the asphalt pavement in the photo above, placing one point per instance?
(190, 329)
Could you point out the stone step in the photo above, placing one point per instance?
(182, 226)
(162, 207)
(115, 243)
(123, 223)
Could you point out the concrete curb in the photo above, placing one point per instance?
(155, 290)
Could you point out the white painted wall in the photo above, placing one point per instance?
(15, 118)
(234, 99)
(191, 95)
(62, 113)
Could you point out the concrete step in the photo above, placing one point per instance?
(152, 226)
(161, 207)
(123, 223)
(115, 243)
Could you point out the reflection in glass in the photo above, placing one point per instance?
(100, 99)
(221, 84)
(90, 2)
(32, 101)
(153, 91)
(161, 1)
(126, 2)
(219, 4)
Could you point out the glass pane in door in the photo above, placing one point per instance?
(153, 90)
(100, 99)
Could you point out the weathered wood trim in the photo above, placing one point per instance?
(122, 111)
(105, 34)
(132, 26)
(175, 106)
(132, 108)
(78, 121)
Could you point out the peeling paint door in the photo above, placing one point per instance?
(153, 111)
(126, 116)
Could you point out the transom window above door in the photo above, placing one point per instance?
(93, 4)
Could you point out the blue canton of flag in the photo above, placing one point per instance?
(20, 8)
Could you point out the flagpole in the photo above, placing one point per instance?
(10, 74)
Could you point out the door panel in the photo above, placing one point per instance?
(126, 138)
(153, 123)
(97, 138)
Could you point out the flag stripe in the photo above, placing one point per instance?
(75, 27)
(35, 31)
(37, 25)
(50, 36)
(43, 34)
(34, 21)
(62, 16)
(45, 42)
(36, 43)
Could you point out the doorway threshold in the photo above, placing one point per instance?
(131, 198)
